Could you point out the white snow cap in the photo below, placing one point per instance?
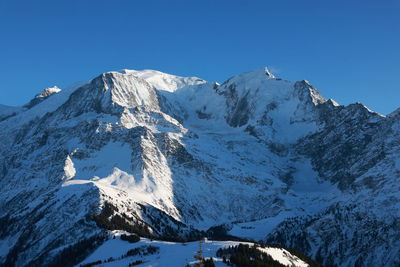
(268, 73)
(163, 81)
(333, 102)
(48, 92)
(257, 74)
(263, 71)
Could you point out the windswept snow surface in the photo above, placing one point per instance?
(163, 81)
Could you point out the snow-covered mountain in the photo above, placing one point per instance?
(164, 156)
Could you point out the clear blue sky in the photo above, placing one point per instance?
(349, 50)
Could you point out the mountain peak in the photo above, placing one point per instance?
(260, 72)
(48, 92)
(254, 75)
(163, 81)
(268, 72)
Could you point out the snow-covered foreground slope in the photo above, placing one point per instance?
(171, 254)
(171, 157)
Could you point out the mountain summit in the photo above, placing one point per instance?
(163, 156)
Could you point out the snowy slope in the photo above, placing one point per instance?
(172, 254)
(166, 156)
(8, 111)
(163, 81)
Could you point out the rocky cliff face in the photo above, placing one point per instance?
(168, 156)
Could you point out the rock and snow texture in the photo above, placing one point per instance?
(8, 111)
(267, 158)
(163, 81)
(47, 92)
(284, 257)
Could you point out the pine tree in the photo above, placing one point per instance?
(199, 255)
